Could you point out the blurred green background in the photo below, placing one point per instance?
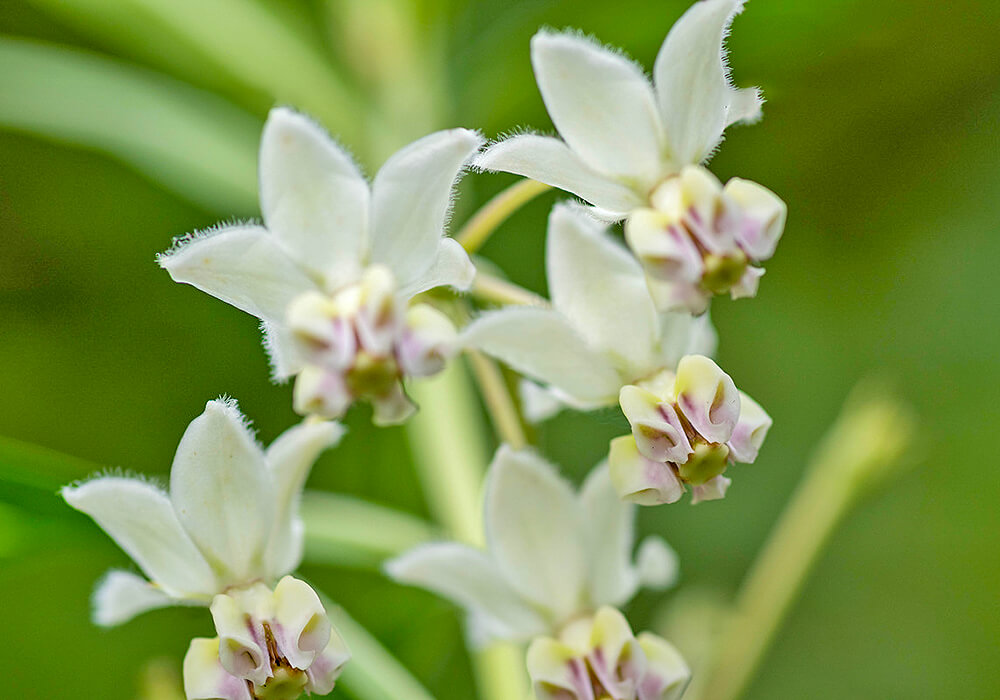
(127, 122)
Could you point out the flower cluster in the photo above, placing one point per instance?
(334, 272)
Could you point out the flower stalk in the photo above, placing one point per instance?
(484, 222)
(499, 402)
(864, 447)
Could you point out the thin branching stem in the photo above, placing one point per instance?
(499, 402)
(484, 222)
(494, 290)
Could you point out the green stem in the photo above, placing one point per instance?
(484, 222)
(499, 403)
(494, 290)
(372, 673)
(863, 448)
(449, 444)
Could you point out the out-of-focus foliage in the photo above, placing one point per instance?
(880, 131)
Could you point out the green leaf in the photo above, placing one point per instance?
(193, 143)
(347, 531)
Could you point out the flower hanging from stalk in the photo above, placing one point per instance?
(332, 271)
(634, 149)
(226, 536)
(556, 563)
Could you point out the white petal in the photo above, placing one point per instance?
(222, 492)
(204, 676)
(243, 265)
(282, 350)
(610, 526)
(601, 103)
(120, 596)
(139, 517)
(471, 579)
(534, 531)
(551, 161)
(657, 563)
(451, 268)
(312, 195)
(410, 201)
(696, 96)
(542, 344)
(538, 403)
(289, 458)
(600, 288)
(683, 334)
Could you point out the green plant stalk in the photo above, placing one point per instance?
(499, 403)
(483, 223)
(450, 450)
(862, 449)
(494, 290)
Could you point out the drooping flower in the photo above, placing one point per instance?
(687, 428)
(602, 331)
(633, 149)
(598, 657)
(555, 564)
(333, 268)
(225, 536)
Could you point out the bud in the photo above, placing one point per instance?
(700, 238)
(687, 428)
(272, 645)
(361, 343)
(599, 657)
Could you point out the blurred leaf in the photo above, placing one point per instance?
(343, 530)
(190, 141)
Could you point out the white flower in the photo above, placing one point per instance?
(626, 144)
(603, 330)
(228, 530)
(688, 426)
(337, 257)
(598, 658)
(551, 555)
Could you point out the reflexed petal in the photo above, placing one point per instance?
(222, 492)
(410, 200)
(667, 674)
(762, 219)
(242, 645)
(609, 521)
(206, 679)
(696, 96)
(712, 490)
(312, 195)
(657, 563)
(472, 580)
(289, 459)
(601, 103)
(533, 531)
(707, 397)
(600, 288)
(328, 664)
(282, 350)
(641, 480)
(303, 629)
(243, 265)
(543, 345)
(751, 429)
(120, 596)
(683, 334)
(139, 518)
(451, 268)
(656, 427)
(538, 403)
(551, 161)
(747, 286)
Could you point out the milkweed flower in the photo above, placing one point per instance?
(226, 536)
(333, 269)
(602, 331)
(554, 560)
(634, 149)
(687, 426)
